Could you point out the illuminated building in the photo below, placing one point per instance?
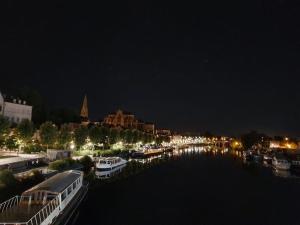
(127, 120)
(14, 109)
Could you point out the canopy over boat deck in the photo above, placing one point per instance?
(56, 184)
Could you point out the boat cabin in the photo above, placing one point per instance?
(41, 204)
(110, 160)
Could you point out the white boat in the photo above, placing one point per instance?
(108, 166)
(281, 163)
(44, 203)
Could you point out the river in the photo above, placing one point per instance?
(195, 188)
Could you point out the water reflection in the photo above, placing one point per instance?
(266, 163)
(283, 173)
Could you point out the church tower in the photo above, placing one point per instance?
(84, 113)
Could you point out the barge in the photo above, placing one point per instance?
(45, 203)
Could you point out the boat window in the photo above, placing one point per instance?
(63, 196)
(103, 169)
(74, 185)
(69, 190)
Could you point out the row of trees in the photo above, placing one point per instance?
(96, 135)
(52, 136)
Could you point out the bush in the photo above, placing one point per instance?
(87, 163)
(33, 149)
(7, 179)
(61, 165)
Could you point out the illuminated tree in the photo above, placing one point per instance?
(25, 130)
(4, 126)
(80, 136)
(95, 134)
(64, 136)
(48, 133)
(113, 136)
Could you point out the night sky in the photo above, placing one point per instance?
(223, 66)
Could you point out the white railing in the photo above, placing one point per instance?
(10, 203)
(46, 214)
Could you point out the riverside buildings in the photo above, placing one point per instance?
(14, 109)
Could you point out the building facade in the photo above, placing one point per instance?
(163, 132)
(121, 119)
(128, 120)
(15, 110)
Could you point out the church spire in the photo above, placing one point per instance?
(84, 113)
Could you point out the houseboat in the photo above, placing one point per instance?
(44, 203)
(280, 162)
(108, 166)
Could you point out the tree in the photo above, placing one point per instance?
(128, 135)
(64, 136)
(87, 163)
(25, 130)
(250, 139)
(95, 135)
(80, 135)
(7, 179)
(135, 136)
(11, 143)
(4, 126)
(113, 136)
(48, 133)
(104, 134)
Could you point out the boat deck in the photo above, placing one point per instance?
(20, 213)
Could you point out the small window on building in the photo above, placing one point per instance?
(0, 108)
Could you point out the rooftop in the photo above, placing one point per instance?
(56, 184)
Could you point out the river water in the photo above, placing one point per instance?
(195, 187)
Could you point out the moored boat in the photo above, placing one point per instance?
(46, 202)
(109, 163)
(280, 162)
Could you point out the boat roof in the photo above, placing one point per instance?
(12, 160)
(56, 184)
(109, 158)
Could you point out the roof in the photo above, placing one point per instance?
(56, 184)
(12, 160)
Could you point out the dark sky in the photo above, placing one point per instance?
(223, 66)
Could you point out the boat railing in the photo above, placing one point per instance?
(44, 216)
(10, 203)
(48, 212)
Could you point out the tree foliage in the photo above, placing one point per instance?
(80, 136)
(250, 139)
(64, 136)
(4, 125)
(7, 179)
(48, 133)
(25, 130)
(95, 134)
(87, 163)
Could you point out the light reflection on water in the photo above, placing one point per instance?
(194, 151)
